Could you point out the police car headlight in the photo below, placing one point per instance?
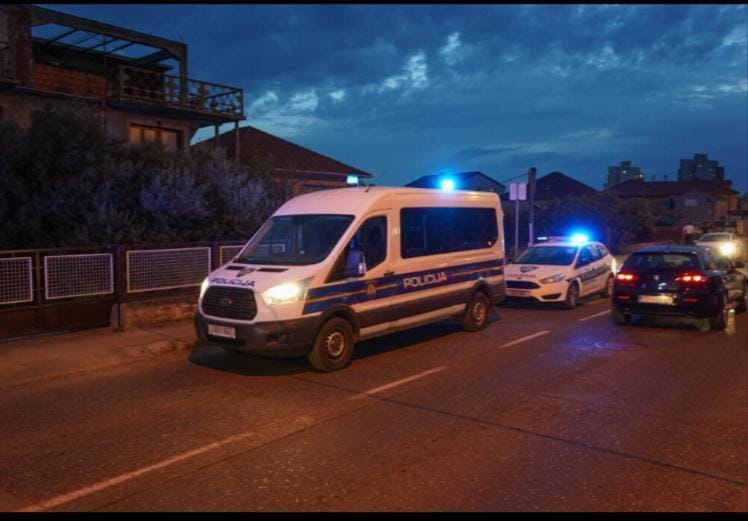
(552, 279)
(204, 287)
(727, 248)
(286, 293)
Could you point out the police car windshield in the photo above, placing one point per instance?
(296, 240)
(552, 255)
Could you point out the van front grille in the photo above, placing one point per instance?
(236, 303)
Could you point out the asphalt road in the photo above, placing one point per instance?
(544, 410)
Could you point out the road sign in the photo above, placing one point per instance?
(517, 191)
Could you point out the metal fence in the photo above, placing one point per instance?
(66, 288)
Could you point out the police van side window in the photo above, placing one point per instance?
(431, 231)
(371, 239)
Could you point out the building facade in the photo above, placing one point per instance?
(622, 173)
(678, 202)
(136, 83)
(700, 168)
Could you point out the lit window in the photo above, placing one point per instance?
(169, 139)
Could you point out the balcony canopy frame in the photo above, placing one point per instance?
(72, 27)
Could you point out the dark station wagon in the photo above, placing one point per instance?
(686, 281)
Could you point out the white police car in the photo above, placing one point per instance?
(561, 270)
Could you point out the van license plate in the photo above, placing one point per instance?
(656, 299)
(224, 331)
(517, 293)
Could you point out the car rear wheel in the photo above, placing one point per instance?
(572, 295)
(719, 321)
(608, 289)
(620, 317)
(743, 302)
(333, 346)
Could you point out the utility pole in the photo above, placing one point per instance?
(531, 189)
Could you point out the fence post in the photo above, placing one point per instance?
(39, 290)
(120, 267)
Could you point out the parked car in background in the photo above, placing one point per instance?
(690, 281)
(728, 244)
(561, 271)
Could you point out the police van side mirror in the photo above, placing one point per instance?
(355, 264)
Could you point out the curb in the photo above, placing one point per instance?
(135, 354)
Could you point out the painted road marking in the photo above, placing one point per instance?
(524, 338)
(595, 315)
(398, 382)
(72, 496)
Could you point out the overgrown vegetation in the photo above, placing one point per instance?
(63, 182)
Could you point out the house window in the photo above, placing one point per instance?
(167, 138)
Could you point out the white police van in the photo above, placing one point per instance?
(334, 267)
(561, 270)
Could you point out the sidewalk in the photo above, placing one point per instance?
(60, 355)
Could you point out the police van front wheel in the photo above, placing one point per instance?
(476, 313)
(333, 346)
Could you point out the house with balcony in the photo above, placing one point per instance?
(137, 83)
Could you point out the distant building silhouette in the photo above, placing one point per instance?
(624, 172)
(700, 167)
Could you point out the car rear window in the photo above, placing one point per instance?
(655, 260)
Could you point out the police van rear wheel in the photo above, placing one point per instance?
(333, 346)
(476, 313)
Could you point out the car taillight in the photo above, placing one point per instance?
(692, 278)
(624, 277)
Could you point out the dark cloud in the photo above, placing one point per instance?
(579, 88)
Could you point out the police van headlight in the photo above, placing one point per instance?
(552, 279)
(286, 293)
(204, 287)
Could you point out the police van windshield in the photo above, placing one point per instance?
(297, 240)
(553, 255)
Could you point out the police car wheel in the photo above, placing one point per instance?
(608, 290)
(572, 295)
(476, 313)
(333, 346)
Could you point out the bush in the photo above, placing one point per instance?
(63, 182)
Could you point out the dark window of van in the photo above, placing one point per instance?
(431, 231)
(371, 239)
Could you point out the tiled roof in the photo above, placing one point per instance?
(670, 188)
(465, 181)
(283, 154)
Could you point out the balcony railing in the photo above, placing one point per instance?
(149, 87)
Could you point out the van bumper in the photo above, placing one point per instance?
(282, 338)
